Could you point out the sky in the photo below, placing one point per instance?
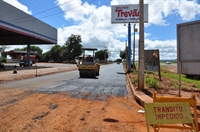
(91, 19)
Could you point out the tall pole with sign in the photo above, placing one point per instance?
(141, 48)
(128, 14)
(129, 46)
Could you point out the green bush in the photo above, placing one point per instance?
(3, 60)
(135, 80)
(151, 82)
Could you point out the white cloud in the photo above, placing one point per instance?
(18, 5)
(159, 10)
(75, 9)
(166, 48)
(169, 7)
(188, 9)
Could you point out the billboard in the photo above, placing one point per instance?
(188, 48)
(127, 13)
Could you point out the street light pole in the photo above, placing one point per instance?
(126, 55)
(105, 55)
(129, 47)
(134, 68)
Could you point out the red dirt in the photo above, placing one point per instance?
(23, 111)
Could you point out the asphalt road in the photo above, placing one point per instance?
(110, 82)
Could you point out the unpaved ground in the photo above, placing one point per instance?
(57, 112)
(35, 112)
(23, 111)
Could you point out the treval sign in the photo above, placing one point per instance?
(127, 13)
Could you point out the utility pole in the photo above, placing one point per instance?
(141, 48)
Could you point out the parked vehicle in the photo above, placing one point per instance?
(25, 63)
(2, 66)
(32, 58)
(24, 60)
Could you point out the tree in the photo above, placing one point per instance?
(56, 53)
(53, 54)
(123, 54)
(102, 54)
(47, 56)
(39, 55)
(118, 60)
(73, 46)
(2, 49)
(63, 54)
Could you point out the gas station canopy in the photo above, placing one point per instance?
(20, 28)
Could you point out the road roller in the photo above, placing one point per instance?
(87, 66)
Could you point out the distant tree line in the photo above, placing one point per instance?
(67, 52)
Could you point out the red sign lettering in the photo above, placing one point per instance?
(169, 116)
(131, 13)
(168, 109)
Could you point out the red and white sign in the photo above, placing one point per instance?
(127, 13)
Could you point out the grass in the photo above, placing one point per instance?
(135, 80)
(183, 78)
(151, 82)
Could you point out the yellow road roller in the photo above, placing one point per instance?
(87, 66)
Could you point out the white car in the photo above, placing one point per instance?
(168, 62)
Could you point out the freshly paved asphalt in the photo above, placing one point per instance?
(110, 82)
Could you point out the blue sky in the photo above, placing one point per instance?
(92, 20)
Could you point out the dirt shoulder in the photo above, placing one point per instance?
(58, 112)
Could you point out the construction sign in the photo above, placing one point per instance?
(168, 113)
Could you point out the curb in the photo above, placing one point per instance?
(140, 97)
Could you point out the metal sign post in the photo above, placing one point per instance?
(129, 47)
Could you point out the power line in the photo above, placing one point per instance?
(56, 19)
(66, 10)
(52, 8)
(41, 11)
(51, 14)
(38, 7)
